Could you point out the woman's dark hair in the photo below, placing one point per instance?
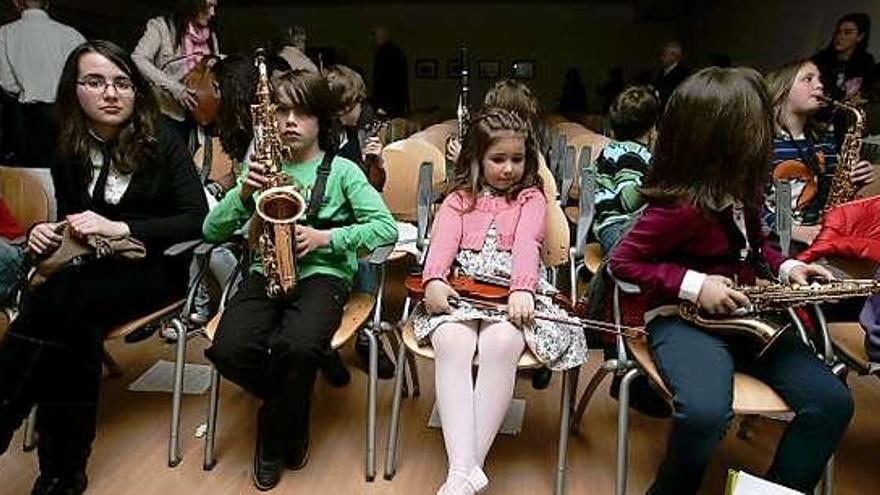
(715, 140)
(136, 142)
(779, 83)
(482, 131)
(308, 92)
(237, 81)
(634, 112)
(862, 22)
(181, 14)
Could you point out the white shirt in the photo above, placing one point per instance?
(117, 182)
(33, 50)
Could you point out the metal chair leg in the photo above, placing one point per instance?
(211, 430)
(370, 447)
(564, 428)
(174, 456)
(828, 478)
(394, 426)
(623, 431)
(29, 442)
(600, 375)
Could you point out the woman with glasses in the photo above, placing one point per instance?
(172, 45)
(118, 174)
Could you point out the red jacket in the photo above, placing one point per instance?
(851, 230)
(669, 240)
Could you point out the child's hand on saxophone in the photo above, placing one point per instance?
(255, 180)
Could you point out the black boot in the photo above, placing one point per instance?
(385, 368)
(18, 363)
(66, 432)
(58, 486)
(334, 370)
(268, 453)
(296, 452)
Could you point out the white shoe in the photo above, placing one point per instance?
(459, 484)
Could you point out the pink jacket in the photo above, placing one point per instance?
(519, 224)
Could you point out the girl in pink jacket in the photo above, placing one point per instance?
(492, 223)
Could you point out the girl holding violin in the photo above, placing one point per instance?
(492, 223)
(803, 152)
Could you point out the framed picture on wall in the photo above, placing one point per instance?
(453, 68)
(426, 68)
(524, 69)
(489, 69)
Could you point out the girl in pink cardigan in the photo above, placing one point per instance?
(491, 224)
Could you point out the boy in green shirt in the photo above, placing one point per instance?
(273, 347)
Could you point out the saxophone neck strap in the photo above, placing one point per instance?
(320, 184)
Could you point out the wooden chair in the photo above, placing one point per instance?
(360, 308)
(848, 339)
(750, 395)
(27, 196)
(554, 253)
(212, 162)
(402, 160)
(553, 119)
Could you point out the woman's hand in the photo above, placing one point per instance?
(801, 274)
(717, 296)
(44, 238)
(453, 149)
(309, 239)
(437, 294)
(89, 223)
(862, 173)
(521, 308)
(256, 179)
(189, 99)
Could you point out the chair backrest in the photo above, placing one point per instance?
(552, 119)
(586, 199)
(783, 215)
(550, 190)
(437, 135)
(26, 195)
(402, 160)
(571, 129)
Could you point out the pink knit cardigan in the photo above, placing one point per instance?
(519, 225)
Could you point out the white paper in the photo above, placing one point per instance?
(160, 378)
(746, 484)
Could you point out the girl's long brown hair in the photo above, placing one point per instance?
(482, 131)
(715, 140)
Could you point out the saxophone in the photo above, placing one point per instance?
(279, 204)
(842, 189)
(461, 111)
(752, 322)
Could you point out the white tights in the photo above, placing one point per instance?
(471, 414)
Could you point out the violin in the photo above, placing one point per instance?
(372, 163)
(476, 287)
(799, 171)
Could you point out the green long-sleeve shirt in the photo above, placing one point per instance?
(361, 221)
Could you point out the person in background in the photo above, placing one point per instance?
(390, 76)
(11, 254)
(172, 45)
(672, 72)
(291, 48)
(32, 53)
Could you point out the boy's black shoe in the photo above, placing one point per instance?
(60, 486)
(385, 368)
(334, 369)
(541, 378)
(268, 455)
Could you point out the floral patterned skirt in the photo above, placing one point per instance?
(558, 346)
